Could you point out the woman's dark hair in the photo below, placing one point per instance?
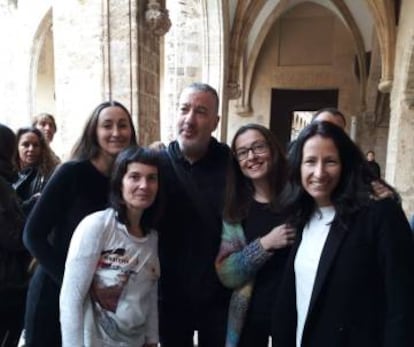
(135, 154)
(353, 189)
(239, 188)
(87, 146)
(47, 160)
(7, 153)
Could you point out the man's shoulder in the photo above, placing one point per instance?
(219, 150)
(220, 146)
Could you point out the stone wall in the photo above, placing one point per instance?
(79, 68)
(19, 25)
(148, 82)
(183, 62)
(68, 58)
(400, 160)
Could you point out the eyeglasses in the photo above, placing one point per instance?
(257, 148)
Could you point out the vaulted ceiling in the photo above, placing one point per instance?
(250, 21)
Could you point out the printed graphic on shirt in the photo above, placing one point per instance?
(107, 286)
(120, 291)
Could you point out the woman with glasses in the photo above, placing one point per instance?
(255, 241)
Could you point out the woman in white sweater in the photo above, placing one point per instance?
(109, 291)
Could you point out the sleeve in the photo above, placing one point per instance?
(11, 220)
(28, 204)
(396, 258)
(152, 335)
(236, 262)
(50, 208)
(83, 256)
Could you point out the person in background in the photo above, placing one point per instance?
(112, 267)
(372, 164)
(193, 172)
(14, 259)
(35, 163)
(46, 123)
(255, 244)
(332, 115)
(78, 188)
(349, 279)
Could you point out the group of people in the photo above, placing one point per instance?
(26, 164)
(136, 246)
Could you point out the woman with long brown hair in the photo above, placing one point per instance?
(35, 163)
(78, 188)
(255, 241)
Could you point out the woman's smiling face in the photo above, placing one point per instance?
(253, 154)
(320, 169)
(113, 130)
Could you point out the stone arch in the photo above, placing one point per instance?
(244, 108)
(42, 36)
(384, 13)
(245, 15)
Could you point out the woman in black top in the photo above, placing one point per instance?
(78, 188)
(35, 163)
(254, 243)
(13, 257)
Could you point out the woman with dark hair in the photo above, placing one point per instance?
(349, 279)
(35, 163)
(109, 290)
(14, 259)
(78, 188)
(253, 249)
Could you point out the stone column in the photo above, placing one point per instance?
(79, 64)
(400, 157)
(96, 59)
(148, 73)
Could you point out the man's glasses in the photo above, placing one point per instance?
(257, 148)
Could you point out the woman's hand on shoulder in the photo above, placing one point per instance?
(279, 237)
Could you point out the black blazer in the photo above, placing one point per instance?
(363, 294)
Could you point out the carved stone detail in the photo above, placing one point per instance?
(233, 90)
(157, 19)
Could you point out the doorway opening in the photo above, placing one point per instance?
(292, 109)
